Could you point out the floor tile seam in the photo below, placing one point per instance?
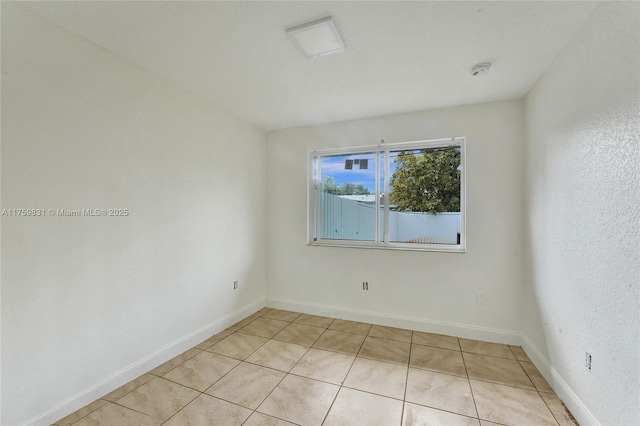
(204, 349)
(433, 334)
(549, 408)
(258, 335)
(221, 377)
(311, 325)
(180, 365)
(335, 397)
(228, 356)
(218, 340)
(350, 332)
(313, 378)
(247, 334)
(284, 341)
(279, 319)
(530, 379)
(134, 410)
(502, 384)
(182, 408)
(264, 399)
(236, 327)
(281, 380)
(272, 368)
(387, 338)
(437, 347)
(187, 359)
(253, 410)
(345, 377)
(446, 411)
(294, 343)
(341, 385)
(513, 352)
(533, 389)
(372, 393)
(406, 385)
(229, 401)
(492, 356)
(267, 397)
(334, 351)
(303, 355)
(182, 384)
(275, 417)
(473, 397)
(236, 366)
(437, 371)
(88, 414)
(108, 400)
(127, 393)
(381, 360)
(522, 369)
(307, 325)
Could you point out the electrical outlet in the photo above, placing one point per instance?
(235, 285)
(587, 361)
(365, 285)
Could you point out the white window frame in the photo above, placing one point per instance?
(314, 208)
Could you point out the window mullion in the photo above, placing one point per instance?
(319, 199)
(387, 198)
(377, 200)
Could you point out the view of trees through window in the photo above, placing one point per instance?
(426, 180)
(425, 195)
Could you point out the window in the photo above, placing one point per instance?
(396, 196)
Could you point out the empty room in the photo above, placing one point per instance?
(320, 213)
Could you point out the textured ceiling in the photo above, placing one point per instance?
(400, 56)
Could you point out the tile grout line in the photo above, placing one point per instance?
(473, 398)
(285, 373)
(549, 408)
(345, 377)
(406, 379)
(224, 375)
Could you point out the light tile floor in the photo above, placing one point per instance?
(281, 368)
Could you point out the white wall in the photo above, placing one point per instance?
(583, 179)
(84, 300)
(429, 290)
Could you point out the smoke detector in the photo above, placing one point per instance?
(480, 69)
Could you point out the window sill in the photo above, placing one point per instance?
(444, 248)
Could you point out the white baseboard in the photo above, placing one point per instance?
(451, 329)
(539, 360)
(571, 400)
(142, 366)
(575, 405)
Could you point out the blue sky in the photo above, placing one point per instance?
(334, 166)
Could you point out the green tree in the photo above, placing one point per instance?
(427, 181)
(330, 186)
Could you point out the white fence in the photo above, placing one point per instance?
(344, 219)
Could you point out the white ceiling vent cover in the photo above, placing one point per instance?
(317, 38)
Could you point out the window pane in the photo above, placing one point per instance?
(425, 196)
(347, 199)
